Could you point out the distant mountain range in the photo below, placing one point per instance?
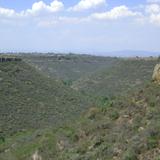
(119, 53)
(130, 53)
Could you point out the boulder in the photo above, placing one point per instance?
(156, 74)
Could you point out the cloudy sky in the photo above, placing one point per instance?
(82, 26)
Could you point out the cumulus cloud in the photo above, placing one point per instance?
(42, 14)
(87, 4)
(38, 12)
(115, 13)
(153, 13)
(41, 7)
(7, 12)
(37, 8)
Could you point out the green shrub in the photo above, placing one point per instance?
(114, 115)
(2, 139)
(130, 155)
(152, 143)
(152, 104)
(67, 82)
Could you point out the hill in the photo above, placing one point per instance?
(69, 68)
(125, 75)
(37, 113)
(30, 100)
(125, 128)
(95, 76)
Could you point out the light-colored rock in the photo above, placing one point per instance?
(140, 129)
(61, 145)
(156, 74)
(36, 156)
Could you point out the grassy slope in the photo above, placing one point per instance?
(30, 100)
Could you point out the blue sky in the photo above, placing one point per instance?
(81, 26)
(24, 4)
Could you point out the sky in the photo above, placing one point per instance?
(79, 26)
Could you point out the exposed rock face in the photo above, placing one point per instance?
(156, 74)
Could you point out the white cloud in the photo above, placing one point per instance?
(115, 13)
(155, 19)
(42, 14)
(38, 8)
(152, 9)
(153, 14)
(87, 4)
(41, 7)
(7, 12)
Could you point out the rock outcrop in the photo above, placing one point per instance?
(156, 74)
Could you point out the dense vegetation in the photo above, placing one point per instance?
(123, 76)
(127, 128)
(37, 110)
(29, 99)
(69, 68)
(96, 76)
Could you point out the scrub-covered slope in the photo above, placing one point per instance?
(93, 75)
(69, 68)
(28, 99)
(127, 128)
(123, 76)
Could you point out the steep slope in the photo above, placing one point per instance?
(95, 76)
(30, 100)
(127, 128)
(125, 75)
(70, 67)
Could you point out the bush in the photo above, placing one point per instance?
(2, 139)
(158, 158)
(152, 143)
(130, 155)
(114, 115)
(67, 82)
(105, 106)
